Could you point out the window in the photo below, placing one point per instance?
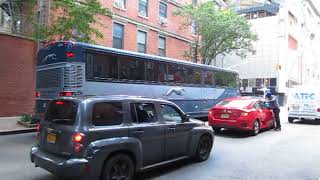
(257, 105)
(61, 112)
(196, 77)
(101, 66)
(252, 82)
(273, 82)
(226, 79)
(194, 28)
(118, 35)
(162, 46)
(107, 114)
(259, 82)
(131, 69)
(120, 3)
(208, 78)
(156, 71)
(163, 10)
(171, 114)
(143, 7)
(175, 74)
(267, 82)
(142, 42)
(143, 113)
(245, 83)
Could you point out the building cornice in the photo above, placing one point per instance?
(146, 26)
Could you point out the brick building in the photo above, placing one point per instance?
(146, 26)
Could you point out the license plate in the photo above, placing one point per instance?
(224, 115)
(51, 138)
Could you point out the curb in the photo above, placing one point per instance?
(18, 131)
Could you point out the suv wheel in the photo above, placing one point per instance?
(290, 119)
(204, 148)
(256, 128)
(118, 167)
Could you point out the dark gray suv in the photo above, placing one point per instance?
(112, 137)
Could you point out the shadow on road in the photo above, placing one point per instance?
(163, 170)
(236, 134)
(307, 122)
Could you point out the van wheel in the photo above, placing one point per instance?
(290, 119)
(118, 167)
(204, 148)
(256, 128)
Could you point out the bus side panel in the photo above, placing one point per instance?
(190, 99)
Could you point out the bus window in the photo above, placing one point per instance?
(175, 74)
(226, 79)
(196, 77)
(153, 71)
(100, 66)
(131, 69)
(208, 77)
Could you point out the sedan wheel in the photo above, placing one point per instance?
(256, 128)
(119, 167)
(204, 148)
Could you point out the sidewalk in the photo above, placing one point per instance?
(9, 125)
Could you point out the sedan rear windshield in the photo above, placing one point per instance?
(61, 112)
(240, 103)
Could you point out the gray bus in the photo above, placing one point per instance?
(66, 68)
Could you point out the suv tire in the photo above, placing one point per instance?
(204, 148)
(119, 166)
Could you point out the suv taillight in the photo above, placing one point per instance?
(318, 109)
(77, 142)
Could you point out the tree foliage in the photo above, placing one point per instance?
(72, 19)
(218, 32)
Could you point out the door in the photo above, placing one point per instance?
(147, 128)
(177, 132)
(265, 114)
(268, 115)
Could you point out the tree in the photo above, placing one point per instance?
(72, 19)
(218, 32)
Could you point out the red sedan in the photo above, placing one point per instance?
(243, 113)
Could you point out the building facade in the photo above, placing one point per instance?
(286, 55)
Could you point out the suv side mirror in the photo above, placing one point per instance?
(186, 117)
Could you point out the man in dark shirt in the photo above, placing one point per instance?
(273, 103)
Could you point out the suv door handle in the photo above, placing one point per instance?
(172, 128)
(139, 132)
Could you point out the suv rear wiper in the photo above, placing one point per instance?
(58, 120)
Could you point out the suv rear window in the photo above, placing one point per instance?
(62, 112)
(107, 114)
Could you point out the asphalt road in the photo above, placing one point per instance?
(293, 153)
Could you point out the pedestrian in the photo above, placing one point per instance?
(274, 105)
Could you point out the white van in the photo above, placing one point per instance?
(303, 103)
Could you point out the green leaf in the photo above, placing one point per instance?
(220, 32)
